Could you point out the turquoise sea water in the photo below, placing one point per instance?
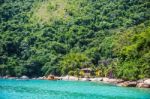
(42, 89)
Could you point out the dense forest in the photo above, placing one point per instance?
(59, 37)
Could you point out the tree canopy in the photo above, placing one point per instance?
(42, 37)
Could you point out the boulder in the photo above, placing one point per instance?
(12, 78)
(40, 78)
(114, 81)
(119, 80)
(50, 77)
(34, 78)
(105, 79)
(99, 79)
(147, 81)
(65, 77)
(142, 85)
(85, 79)
(96, 79)
(128, 84)
(44, 77)
(58, 78)
(6, 77)
(140, 81)
(69, 78)
(24, 77)
(73, 78)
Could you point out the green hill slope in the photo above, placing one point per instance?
(41, 37)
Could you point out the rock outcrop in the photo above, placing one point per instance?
(128, 84)
(73, 78)
(96, 79)
(84, 79)
(24, 77)
(147, 81)
(114, 81)
(143, 85)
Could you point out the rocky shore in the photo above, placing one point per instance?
(142, 83)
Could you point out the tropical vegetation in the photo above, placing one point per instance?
(59, 37)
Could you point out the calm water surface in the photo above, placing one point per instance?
(42, 89)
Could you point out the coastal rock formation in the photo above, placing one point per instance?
(85, 79)
(114, 81)
(50, 77)
(40, 78)
(96, 79)
(105, 79)
(142, 85)
(128, 84)
(140, 81)
(24, 77)
(147, 81)
(70, 78)
(5, 77)
(13, 78)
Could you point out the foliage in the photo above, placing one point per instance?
(42, 37)
(72, 62)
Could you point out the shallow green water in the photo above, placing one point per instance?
(42, 89)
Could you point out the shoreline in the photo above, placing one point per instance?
(142, 83)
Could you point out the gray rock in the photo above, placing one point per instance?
(128, 84)
(24, 77)
(105, 79)
(96, 79)
(12, 77)
(6, 77)
(114, 81)
(40, 78)
(73, 78)
(142, 85)
(34, 78)
(140, 81)
(85, 79)
(147, 81)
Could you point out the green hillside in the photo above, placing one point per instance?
(42, 37)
